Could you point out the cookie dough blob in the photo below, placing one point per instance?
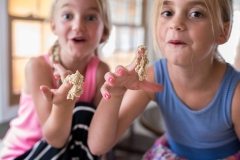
(141, 61)
(77, 81)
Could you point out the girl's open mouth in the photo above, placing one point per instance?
(78, 40)
(176, 42)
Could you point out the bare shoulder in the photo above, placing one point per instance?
(37, 67)
(101, 71)
(37, 71)
(102, 68)
(36, 62)
(236, 110)
(236, 100)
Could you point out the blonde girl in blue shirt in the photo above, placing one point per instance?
(200, 99)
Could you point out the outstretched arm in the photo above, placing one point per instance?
(54, 119)
(125, 97)
(237, 58)
(57, 126)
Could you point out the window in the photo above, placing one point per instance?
(128, 31)
(31, 36)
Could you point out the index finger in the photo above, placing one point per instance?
(140, 62)
(132, 65)
(139, 53)
(61, 71)
(150, 86)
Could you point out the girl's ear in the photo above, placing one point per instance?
(225, 33)
(53, 26)
(105, 36)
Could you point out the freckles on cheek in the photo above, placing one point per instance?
(161, 36)
(161, 32)
(161, 39)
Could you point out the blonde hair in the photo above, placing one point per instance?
(104, 10)
(221, 11)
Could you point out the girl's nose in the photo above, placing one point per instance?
(78, 25)
(177, 23)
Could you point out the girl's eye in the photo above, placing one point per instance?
(67, 16)
(196, 14)
(91, 18)
(166, 13)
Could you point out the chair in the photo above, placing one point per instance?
(133, 143)
(151, 119)
(136, 143)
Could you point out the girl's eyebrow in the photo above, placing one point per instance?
(197, 3)
(94, 9)
(65, 5)
(191, 3)
(69, 5)
(167, 2)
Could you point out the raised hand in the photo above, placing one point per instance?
(126, 78)
(58, 96)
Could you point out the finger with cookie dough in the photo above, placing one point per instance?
(58, 96)
(131, 77)
(141, 61)
(77, 81)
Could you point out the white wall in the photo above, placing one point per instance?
(7, 112)
(236, 4)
